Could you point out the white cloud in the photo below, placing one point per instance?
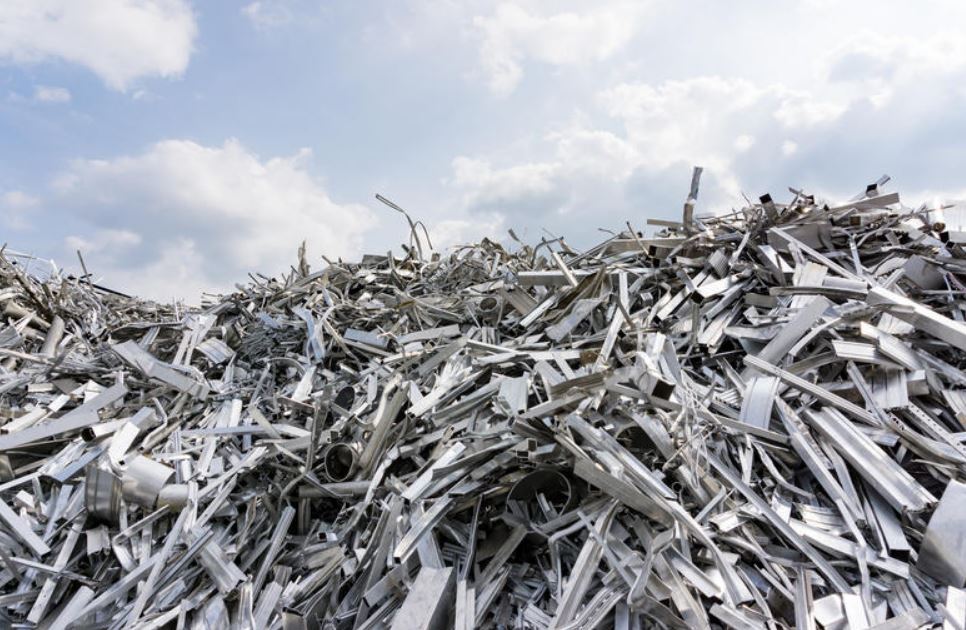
(48, 94)
(689, 119)
(876, 66)
(16, 207)
(789, 147)
(744, 142)
(119, 40)
(803, 110)
(266, 14)
(595, 152)
(487, 188)
(513, 34)
(694, 119)
(869, 56)
(597, 175)
(107, 241)
(232, 211)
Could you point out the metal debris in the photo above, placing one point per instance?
(750, 420)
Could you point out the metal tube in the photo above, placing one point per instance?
(102, 494)
(143, 480)
(339, 461)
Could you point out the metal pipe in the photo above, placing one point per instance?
(143, 479)
(102, 494)
(54, 334)
(339, 461)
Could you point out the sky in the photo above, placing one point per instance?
(180, 145)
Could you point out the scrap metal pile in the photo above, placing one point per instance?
(751, 420)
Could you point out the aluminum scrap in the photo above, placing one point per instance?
(745, 420)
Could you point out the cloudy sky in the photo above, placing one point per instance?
(180, 145)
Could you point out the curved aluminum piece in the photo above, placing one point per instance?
(943, 551)
(102, 494)
(173, 495)
(143, 479)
